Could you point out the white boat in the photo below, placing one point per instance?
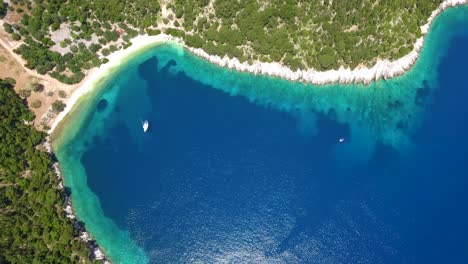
(341, 140)
(145, 125)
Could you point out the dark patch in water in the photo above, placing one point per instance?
(401, 125)
(422, 94)
(95, 140)
(102, 105)
(148, 68)
(332, 114)
(67, 191)
(168, 65)
(394, 105)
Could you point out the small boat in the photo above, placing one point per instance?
(145, 125)
(341, 140)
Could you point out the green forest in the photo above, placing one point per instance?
(305, 34)
(300, 34)
(34, 228)
(97, 27)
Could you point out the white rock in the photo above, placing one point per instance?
(85, 236)
(98, 254)
(382, 69)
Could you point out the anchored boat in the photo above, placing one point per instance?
(145, 125)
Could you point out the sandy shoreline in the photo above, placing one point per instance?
(96, 75)
(383, 69)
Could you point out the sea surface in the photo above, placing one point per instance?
(238, 168)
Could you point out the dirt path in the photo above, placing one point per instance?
(12, 66)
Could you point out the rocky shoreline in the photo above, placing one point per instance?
(383, 69)
(85, 237)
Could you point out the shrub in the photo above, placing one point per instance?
(36, 87)
(62, 94)
(99, 32)
(112, 48)
(74, 48)
(175, 32)
(58, 106)
(126, 38)
(36, 104)
(103, 41)
(96, 62)
(55, 26)
(194, 41)
(3, 9)
(105, 52)
(326, 61)
(8, 28)
(94, 47)
(126, 45)
(25, 93)
(10, 81)
(15, 36)
(111, 35)
(153, 32)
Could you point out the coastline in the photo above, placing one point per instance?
(428, 55)
(95, 79)
(84, 235)
(383, 69)
(96, 76)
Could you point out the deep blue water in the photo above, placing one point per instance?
(220, 179)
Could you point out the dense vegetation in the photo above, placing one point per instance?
(66, 38)
(300, 34)
(3, 9)
(304, 34)
(33, 226)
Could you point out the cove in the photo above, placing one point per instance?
(245, 168)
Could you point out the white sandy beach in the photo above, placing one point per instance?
(382, 69)
(115, 60)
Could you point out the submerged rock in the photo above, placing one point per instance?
(102, 105)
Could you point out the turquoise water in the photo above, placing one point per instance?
(239, 168)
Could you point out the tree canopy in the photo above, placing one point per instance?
(34, 228)
(299, 34)
(305, 34)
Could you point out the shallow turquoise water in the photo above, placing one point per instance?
(238, 167)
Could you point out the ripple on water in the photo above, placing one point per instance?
(276, 187)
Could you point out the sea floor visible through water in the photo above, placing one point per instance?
(237, 168)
